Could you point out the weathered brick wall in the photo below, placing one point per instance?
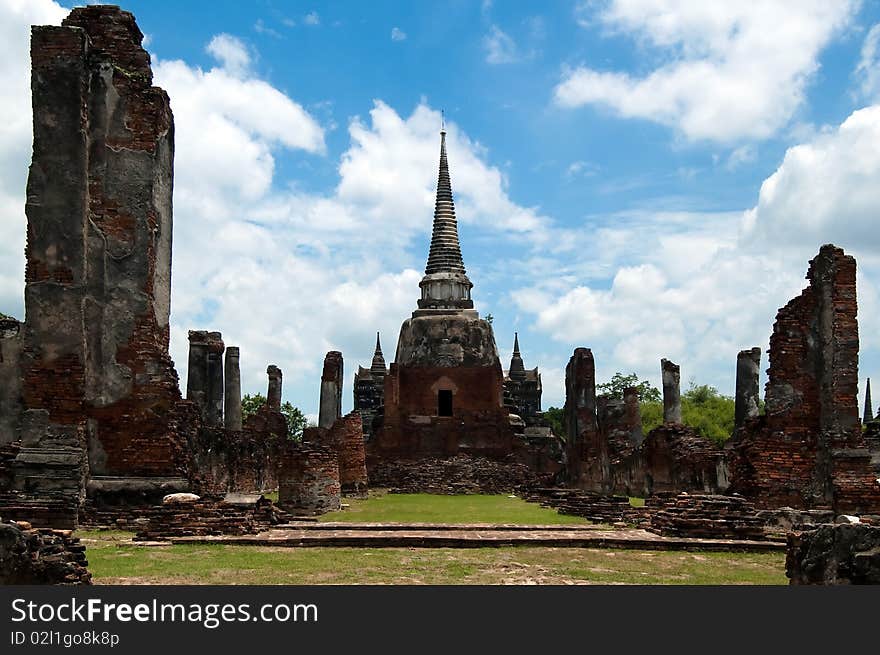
(227, 460)
(808, 451)
(480, 425)
(41, 556)
(672, 458)
(461, 474)
(308, 479)
(346, 437)
(587, 456)
(99, 244)
(10, 378)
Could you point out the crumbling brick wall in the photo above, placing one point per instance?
(797, 453)
(346, 437)
(227, 460)
(99, 244)
(672, 458)
(308, 479)
(807, 450)
(10, 378)
(41, 556)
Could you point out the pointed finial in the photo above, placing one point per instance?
(516, 343)
(442, 122)
(378, 365)
(869, 410)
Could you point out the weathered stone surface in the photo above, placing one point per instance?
(834, 554)
(447, 341)
(671, 377)
(231, 389)
(587, 457)
(204, 382)
(522, 388)
(330, 404)
(807, 450)
(30, 556)
(346, 437)
(369, 390)
(461, 474)
(203, 518)
(180, 498)
(273, 395)
(232, 460)
(747, 398)
(98, 251)
(709, 516)
(308, 479)
(10, 378)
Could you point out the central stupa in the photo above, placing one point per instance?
(444, 392)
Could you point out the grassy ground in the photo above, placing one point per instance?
(114, 562)
(426, 508)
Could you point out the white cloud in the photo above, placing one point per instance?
(231, 52)
(312, 18)
(868, 68)
(731, 71)
(742, 155)
(699, 287)
(397, 34)
(500, 47)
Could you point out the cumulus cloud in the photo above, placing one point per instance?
(397, 34)
(312, 18)
(231, 52)
(699, 287)
(733, 70)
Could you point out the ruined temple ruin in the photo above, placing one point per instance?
(92, 423)
(94, 430)
(807, 450)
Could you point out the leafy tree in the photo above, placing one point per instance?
(296, 422)
(703, 408)
(556, 420)
(647, 392)
(708, 412)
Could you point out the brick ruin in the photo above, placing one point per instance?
(607, 453)
(92, 422)
(807, 451)
(31, 556)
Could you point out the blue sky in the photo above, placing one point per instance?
(648, 179)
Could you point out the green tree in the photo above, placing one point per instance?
(296, 422)
(556, 420)
(708, 412)
(647, 392)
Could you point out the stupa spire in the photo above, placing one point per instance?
(517, 367)
(445, 253)
(378, 365)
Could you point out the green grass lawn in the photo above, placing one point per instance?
(114, 562)
(428, 508)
